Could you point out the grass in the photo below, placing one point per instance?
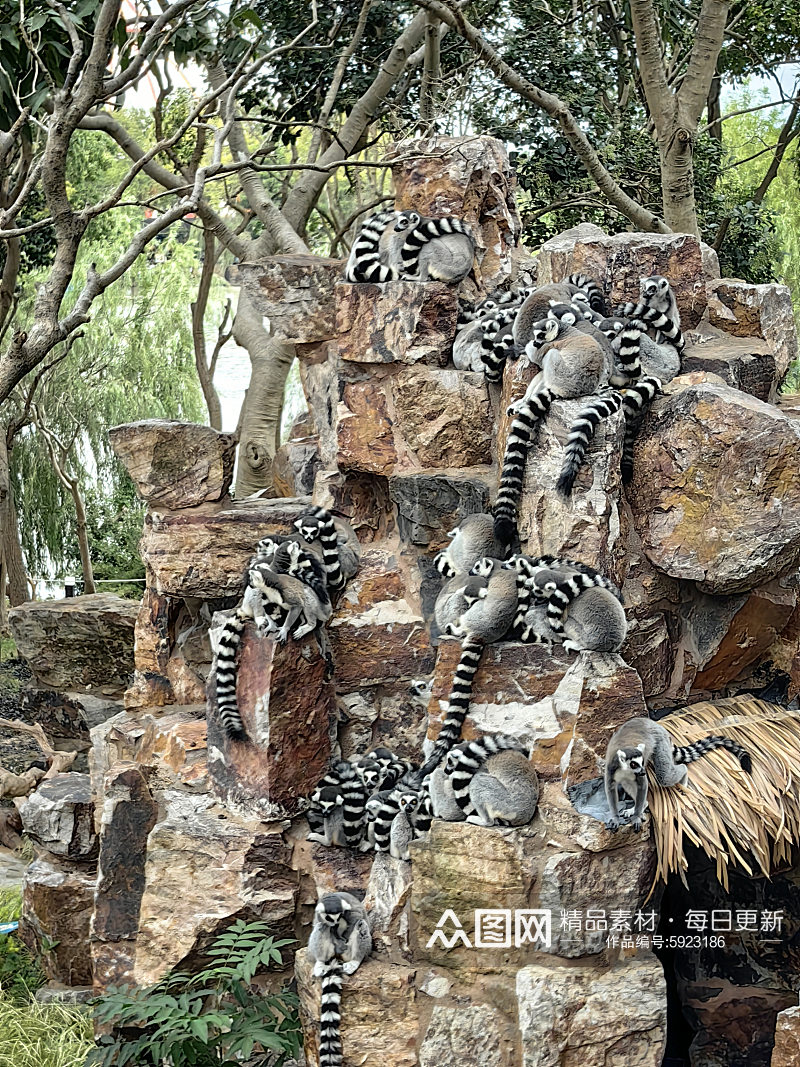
(32, 1034)
(44, 1035)
(8, 649)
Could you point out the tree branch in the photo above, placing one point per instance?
(694, 89)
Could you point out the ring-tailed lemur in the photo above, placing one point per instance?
(597, 301)
(401, 833)
(339, 546)
(340, 941)
(537, 578)
(643, 355)
(375, 255)
(573, 365)
(641, 741)
(658, 308)
(440, 250)
(537, 305)
(393, 767)
(487, 619)
(342, 808)
(472, 539)
(587, 615)
(476, 323)
(419, 814)
(495, 778)
(340, 771)
(440, 790)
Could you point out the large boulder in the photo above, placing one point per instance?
(471, 179)
(765, 311)
(405, 322)
(716, 489)
(59, 817)
(82, 642)
(56, 910)
(786, 1052)
(175, 464)
(296, 294)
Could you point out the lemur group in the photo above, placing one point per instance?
(491, 593)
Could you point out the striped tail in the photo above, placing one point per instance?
(580, 437)
(382, 824)
(627, 345)
(635, 398)
(569, 590)
(597, 301)
(330, 1018)
(533, 408)
(665, 328)
(329, 541)
(227, 705)
(428, 230)
(364, 264)
(458, 704)
(690, 753)
(472, 758)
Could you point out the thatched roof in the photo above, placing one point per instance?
(750, 819)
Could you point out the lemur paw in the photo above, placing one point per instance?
(319, 969)
(612, 825)
(637, 825)
(351, 966)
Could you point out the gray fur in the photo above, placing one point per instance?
(504, 791)
(537, 306)
(472, 539)
(595, 622)
(444, 803)
(441, 250)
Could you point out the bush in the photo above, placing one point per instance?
(210, 1019)
(20, 973)
(43, 1035)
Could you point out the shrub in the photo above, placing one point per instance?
(210, 1019)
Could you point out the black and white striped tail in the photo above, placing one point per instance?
(635, 398)
(569, 590)
(496, 355)
(580, 437)
(354, 808)
(690, 753)
(364, 264)
(330, 1018)
(667, 330)
(523, 606)
(473, 757)
(458, 704)
(382, 826)
(428, 230)
(512, 478)
(627, 346)
(227, 704)
(422, 818)
(330, 547)
(597, 302)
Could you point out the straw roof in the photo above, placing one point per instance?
(752, 820)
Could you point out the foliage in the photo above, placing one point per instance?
(210, 1018)
(20, 973)
(114, 524)
(134, 361)
(43, 1035)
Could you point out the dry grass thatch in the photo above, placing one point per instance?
(750, 819)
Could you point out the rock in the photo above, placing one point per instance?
(444, 417)
(296, 294)
(617, 263)
(429, 506)
(287, 723)
(10, 830)
(56, 909)
(588, 526)
(364, 429)
(412, 418)
(320, 381)
(379, 1014)
(716, 488)
(175, 464)
(461, 868)
(648, 649)
(55, 993)
(388, 894)
(361, 498)
(154, 635)
(295, 466)
(787, 1038)
(746, 310)
(511, 693)
(202, 870)
(59, 817)
(397, 322)
(129, 812)
(67, 716)
(203, 552)
(580, 881)
(82, 642)
(744, 363)
(471, 179)
(574, 1015)
(472, 1034)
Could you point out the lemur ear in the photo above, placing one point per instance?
(483, 593)
(620, 754)
(340, 799)
(641, 747)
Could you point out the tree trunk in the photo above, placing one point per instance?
(260, 422)
(676, 151)
(10, 545)
(83, 537)
(715, 110)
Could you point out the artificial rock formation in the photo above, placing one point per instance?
(195, 832)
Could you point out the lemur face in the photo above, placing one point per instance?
(545, 330)
(408, 802)
(483, 567)
(407, 219)
(308, 529)
(653, 286)
(631, 759)
(331, 910)
(370, 772)
(564, 313)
